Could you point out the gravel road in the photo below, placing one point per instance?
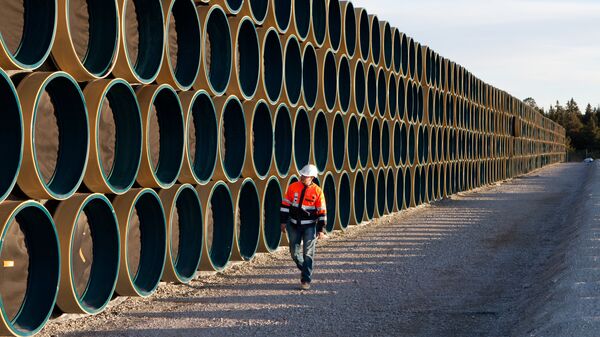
(518, 258)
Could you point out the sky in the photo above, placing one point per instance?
(545, 49)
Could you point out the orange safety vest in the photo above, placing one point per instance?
(304, 210)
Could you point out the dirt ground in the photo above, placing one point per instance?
(518, 258)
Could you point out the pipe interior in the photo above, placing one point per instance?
(262, 139)
(344, 84)
(381, 192)
(233, 139)
(381, 92)
(272, 65)
(248, 55)
(248, 221)
(359, 87)
(144, 36)
(11, 136)
(184, 42)
(320, 148)
(330, 80)
(271, 205)
(293, 70)
(220, 227)
(331, 202)
(352, 142)
(370, 195)
(283, 140)
(186, 233)
(310, 77)
(343, 200)
(202, 137)
(334, 22)
(319, 20)
(302, 139)
(338, 142)
(218, 53)
(363, 145)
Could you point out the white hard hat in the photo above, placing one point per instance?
(309, 171)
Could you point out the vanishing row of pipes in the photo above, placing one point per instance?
(144, 140)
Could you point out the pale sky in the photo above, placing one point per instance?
(546, 49)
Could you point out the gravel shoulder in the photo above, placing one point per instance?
(517, 258)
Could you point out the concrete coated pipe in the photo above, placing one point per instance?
(358, 198)
(330, 193)
(90, 251)
(292, 70)
(247, 217)
(56, 137)
(87, 38)
(271, 75)
(310, 76)
(255, 9)
(327, 97)
(270, 194)
(181, 63)
(216, 50)
(381, 193)
(320, 141)
(392, 92)
(27, 33)
(11, 136)
(344, 82)
(334, 25)
(375, 55)
(185, 231)
(141, 47)
(232, 139)
(30, 255)
(279, 15)
(386, 44)
(352, 143)
(382, 92)
(318, 32)
(337, 142)
(246, 58)
(363, 33)
(375, 141)
(302, 139)
(400, 190)
(372, 94)
(370, 194)
(364, 142)
(283, 140)
(359, 86)
(397, 51)
(201, 137)
(219, 225)
(259, 135)
(163, 140)
(301, 19)
(231, 7)
(385, 143)
(348, 45)
(115, 125)
(143, 231)
(343, 202)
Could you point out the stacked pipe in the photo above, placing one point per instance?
(144, 140)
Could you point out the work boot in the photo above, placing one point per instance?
(304, 285)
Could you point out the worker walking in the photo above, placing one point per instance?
(303, 215)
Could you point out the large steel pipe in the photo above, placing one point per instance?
(382, 92)
(201, 137)
(270, 194)
(232, 138)
(302, 138)
(397, 50)
(370, 194)
(310, 76)
(271, 74)
(301, 19)
(283, 137)
(385, 143)
(219, 223)
(232, 7)
(279, 15)
(181, 63)
(11, 136)
(246, 58)
(247, 217)
(343, 202)
(363, 33)
(344, 83)
(27, 33)
(318, 30)
(185, 232)
(327, 97)
(216, 51)
(386, 44)
(320, 141)
(359, 87)
(352, 143)
(115, 125)
(334, 25)
(381, 193)
(337, 142)
(143, 231)
(259, 139)
(372, 82)
(292, 70)
(90, 251)
(392, 93)
(255, 9)
(56, 135)
(141, 47)
(30, 255)
(375, 55)
(399, 143)
(401, 99)
(163, 140)
(401, 190)
(375, 141)
(363, 142)
(87, 38)
(358, 198)
(348, 45)
(329, 191)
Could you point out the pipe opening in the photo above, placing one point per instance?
(338, 139)
(405, 49)
(430, 185)
(259, 9)
(331, 201)
(248, 221)
(411, 58)
(372, 90)
(320, 141)
(165, 136)
(359, 87)
(358, 193)
(202, 137)
(330, 80)
(423, 185)
(271, 206)
(217, 50)
(411, 144)
(364, 37)
(247, 58)
(370, 195)
(400, 192)
(344, 83)
(283, 13)
(352, 141)
(397, 51)
(398, 142)
(401, 99)
(293, 70)
(381, 193)
(262, 139)
(319, 21)
(392, 96)
(375, 39)
(183, 32)
(343, 200)
(27, 31)
(186, 231)
(408, 193)
(60, 136)
(387, 45)
(232, 139)
(417, 187)
(419, 60)
(11, 136)
(420, 100)
(310, 76)
(302, 139)
(381, 92)
(334, 22)
(385, 143)
(375, 143)
(272, 65)
(219, 227)
(349, 29)
(283, 140)
(302, 18)
(234, 5)
(363, 144)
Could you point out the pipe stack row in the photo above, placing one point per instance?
(144, 140)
